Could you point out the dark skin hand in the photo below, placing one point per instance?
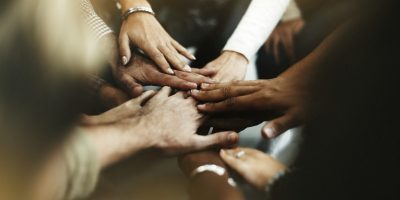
(284, 35)
(278, 97)
(141, 71)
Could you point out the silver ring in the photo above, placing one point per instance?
(240, 154)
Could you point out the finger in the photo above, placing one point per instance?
(158, 57)
(174, 81)
(124, 49)
(172, 56)
(182, 50)
(221, 139)
(278, 126)
(223, 93)
(207, 87)
(164, 92)
(289, 47)
(205, 71)
(236, 164)
(132, 87)
(275, 51)
(240, 103)
(145, 97)
(193, 77)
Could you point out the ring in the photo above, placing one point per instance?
(240, 154)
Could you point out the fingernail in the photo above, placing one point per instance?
(222, 152)
(270, 132)
(124, 60)
(205, 85)
(187, 68)
(232, 138)
(193, 57)
(170, 71)
(192, 85)
(202, 106)
(194, 92)
(209, 80)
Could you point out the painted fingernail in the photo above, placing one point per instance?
(269, 132)
(170, 71)
(124, 60)
(187, 68)
(205, 85)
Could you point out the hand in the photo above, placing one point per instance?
(254, 166)
(229, 66)
(284, 34)
(282, 99)
(144, 31)
(141, 71)
(171, 123)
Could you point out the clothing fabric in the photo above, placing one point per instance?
(83, 167)
(256, 26)
(96, 25)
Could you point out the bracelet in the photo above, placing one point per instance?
(220, 171)
(130, 11)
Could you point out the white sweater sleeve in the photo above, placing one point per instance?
(257, 24)
(96, 25)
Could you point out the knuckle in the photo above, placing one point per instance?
(226, 92)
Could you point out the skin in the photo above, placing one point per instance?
(284, 35)
(217, 187)
(256, 167)
(144, 30)
(145, 123)
(139, 124)
(229, 66)
(281, 100)
(141, 71)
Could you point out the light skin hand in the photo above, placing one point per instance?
(254, 166)
(284, 35)
(177, 121)
(144, 30)
(141, 71)
(229, 66)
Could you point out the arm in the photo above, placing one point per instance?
(253, 30)
(216, 187)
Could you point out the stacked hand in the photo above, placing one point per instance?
(141, 71)
(284, 35)
(144, 31)
(280, 99)
(162, 121)
(255, 166)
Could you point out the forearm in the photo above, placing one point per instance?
(113, 143)
(217, 187)
(256, 25)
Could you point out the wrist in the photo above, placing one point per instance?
(117, 141)
(236, 56)
(126, 4)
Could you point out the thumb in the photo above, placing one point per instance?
(132, 87)
(145, 97)
(124, 49)
(221, 139)
(278, 126)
